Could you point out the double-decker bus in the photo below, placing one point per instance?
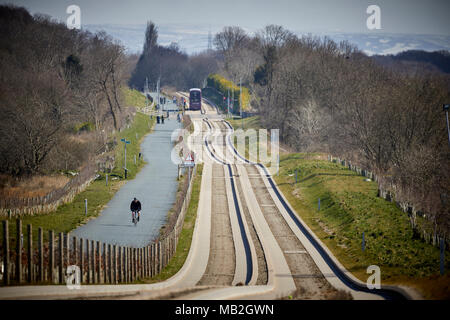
(195, 99)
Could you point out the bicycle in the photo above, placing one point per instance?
(134, 219)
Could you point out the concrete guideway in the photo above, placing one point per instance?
(221, 262)
(330, 267)
(246, 265)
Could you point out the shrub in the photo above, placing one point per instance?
(223, 85)
(84, 126)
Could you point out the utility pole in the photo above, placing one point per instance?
(446, 108)
(228, 102)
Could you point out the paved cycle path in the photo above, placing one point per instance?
(155, 186)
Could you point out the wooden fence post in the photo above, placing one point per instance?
(170, 245)
(67, 251)
(119, 264)
(160, 258)
(61, 258)
(134, 264)
(130, 261)
(152, 259)
(125, 264)
(140, 262)
(163, 253)
(88, 262)
(149, 261)
(146, 271)
(99, 255)
(19, 251)
(130, 264)
(147, 264)
(30, 253)
(6, 275)
(124, 278)
(41, 254)
(51, 255)
(105, 263)
(144, 249)
(143, 262)
(110, 265)
(81, 261)
(115, 264)
(156, 258)
(94, 257)
(75, 251)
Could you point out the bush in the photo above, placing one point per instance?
(223, 85)
(85, 126)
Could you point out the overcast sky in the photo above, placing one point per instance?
(397, 16)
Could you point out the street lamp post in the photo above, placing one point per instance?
(240, 101)
(228, 103)
(446, 108)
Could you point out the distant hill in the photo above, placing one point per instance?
(437, 61)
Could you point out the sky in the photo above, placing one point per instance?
(405, 24)
(397, 16)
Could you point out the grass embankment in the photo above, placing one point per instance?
(134, 98)
(184, 242)
(349, 207)
(249, 123)
(69, 216)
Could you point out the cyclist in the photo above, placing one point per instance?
(135, 206)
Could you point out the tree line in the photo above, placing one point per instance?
(54, 82)
(169, 64)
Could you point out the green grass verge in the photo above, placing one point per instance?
(349, 207)
(184, 242)
(249, 123)
(69, 216)
(133, 98)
